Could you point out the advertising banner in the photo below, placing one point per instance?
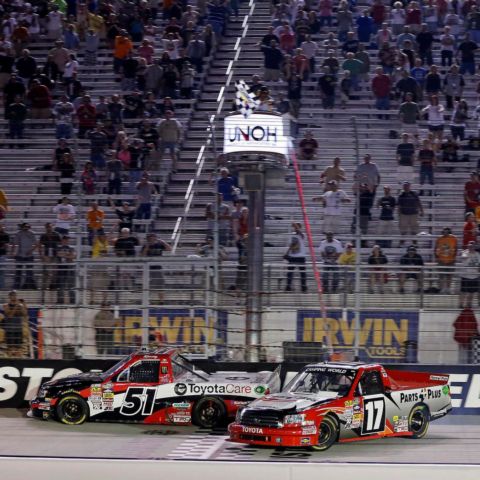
(257, 133)
(383, 336)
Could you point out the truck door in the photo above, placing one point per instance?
(371, 389)
(142, 379)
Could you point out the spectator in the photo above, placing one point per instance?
(344, 22)
(347, 260)
(169, 134)
(435, 115)
(387, 58)
(363, 208)
(65, 213)
(330, 250)
(4, 250)
(66, 166)
(470, 230)
(424, 42)
(411, 264)
(387, 205)
(98, 146)
(13, 88)
(354, 66)
(65, 271)
(104, 323)
(449, 150)
(64, 114)
(309, 49)
(405, 157)
(407, 85)
(70, 38)
(409, 113)
(17, 340)
(294, 94)
(427, 160)
(345, 88)
(40, 100)
(381, 86)
(327, 84)
(365, 27)
(95, 217)
(92, 42)
(296, 255)
(125, 215)
(445, 255)
(224, 220)
(397, 18)
(273, 58)
(114, 169)
(59, 56)
(129, 72)
(466, 52)
(48, 245)
(55, 20)
(196, 51)
(226, 185)
(350, 45)
(145, 190)
(466, 329)
(447, 42)
(367, 172)
(458, 120)
(122, 47)
(409, 209)
(26, 67)
(70, 72)
(471, 193)
(87, 116)
(378, 274)
(333, 172)
(384, 35)
(125, 244)
(24, 246)
(453, 84)
(332, 202)
(16, 114)
(469, 274)
(332, 63)
(308, 147)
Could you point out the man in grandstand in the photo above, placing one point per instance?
(273, 59)
(445, 255)
(169, 133)
(409, 209)
(332, 201)
(330, 250)
(411, 264)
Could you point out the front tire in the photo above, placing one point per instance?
(209, 412)
(419, 421)
(72, 410)
(327, 434)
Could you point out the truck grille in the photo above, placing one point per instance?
(258, 438)
(262, 418)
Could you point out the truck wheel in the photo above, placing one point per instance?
(418, 421)
(208, 412)
(72, 410)
(327, 434)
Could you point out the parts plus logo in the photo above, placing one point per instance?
(180, 389)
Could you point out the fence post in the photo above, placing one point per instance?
(145, 304)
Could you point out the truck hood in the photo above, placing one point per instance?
(292, 401)
(240, 377)
(80, 380)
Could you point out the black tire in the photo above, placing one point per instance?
(327, 434)
(209, 412)
(72, 410)
(419, 421)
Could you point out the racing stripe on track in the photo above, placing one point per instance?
(198, 448)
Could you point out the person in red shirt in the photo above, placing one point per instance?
(414, 17)
(469, 229)
(40, 100)
(466, 328)
(381, 86)
(378, 13)
(87, 116)
(302, 65)
(471, 193)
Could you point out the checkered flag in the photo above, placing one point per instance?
(245, 100)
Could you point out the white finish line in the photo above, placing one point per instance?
(79, 469)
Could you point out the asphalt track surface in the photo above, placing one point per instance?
(453, 440)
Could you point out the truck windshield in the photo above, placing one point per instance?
(335, 380)
(116, 367)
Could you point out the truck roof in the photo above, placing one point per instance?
(350, 365)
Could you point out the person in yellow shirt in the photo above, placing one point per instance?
(97, 24)
(3, 204)
(347, 259)
(446, 247)
(95, 217)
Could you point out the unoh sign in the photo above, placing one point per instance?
(381, 337)
(260, 132)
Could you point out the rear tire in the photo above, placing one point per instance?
(209, 412)
(72, 410)
(419, 421)
(327, 434)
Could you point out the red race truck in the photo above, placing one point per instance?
(344, 402)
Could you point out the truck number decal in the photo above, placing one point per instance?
(374, 415)
(138, 398)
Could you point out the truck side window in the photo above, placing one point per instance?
(145, 372)
(371, 383)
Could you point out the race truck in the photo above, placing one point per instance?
(344, 402)
(157, 387)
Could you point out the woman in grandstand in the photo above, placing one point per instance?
(435, 117)
(378, 274)
(469, 229)
(397, 18)
(89, 179)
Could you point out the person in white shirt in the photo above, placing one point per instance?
(296, 255)
(435, 116)
(447, 49)
(54, 23)
(65, 213)
(309, 48)
(330, 250)
(332, 201)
